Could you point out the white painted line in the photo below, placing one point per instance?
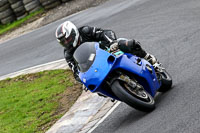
(30, 69)
(49, 63)
(103, 118)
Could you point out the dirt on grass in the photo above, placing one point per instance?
(37, 83)
(67, 99)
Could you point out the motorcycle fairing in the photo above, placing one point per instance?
(101, 67)
(146, 78)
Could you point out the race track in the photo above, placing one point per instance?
(169, 29)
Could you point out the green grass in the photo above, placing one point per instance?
(31, 103)
(17, 23)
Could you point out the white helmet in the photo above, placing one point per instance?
(67, 35)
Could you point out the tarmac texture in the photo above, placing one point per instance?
(169, 29)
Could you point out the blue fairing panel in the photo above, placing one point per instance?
(129, 63)
(98, 71)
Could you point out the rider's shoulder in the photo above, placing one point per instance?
(85, 29)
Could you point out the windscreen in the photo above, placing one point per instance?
(85, 55)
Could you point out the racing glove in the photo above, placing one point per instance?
(114, 46)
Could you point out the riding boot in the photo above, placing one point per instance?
(156, 64)
(151, 59)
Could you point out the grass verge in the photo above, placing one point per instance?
(33, 102)
(17, 23)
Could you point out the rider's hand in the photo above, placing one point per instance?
(114, 46)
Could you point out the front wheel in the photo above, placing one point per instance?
(133, 95)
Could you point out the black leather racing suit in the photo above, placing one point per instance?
(105, 37)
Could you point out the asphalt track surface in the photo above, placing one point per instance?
(170, 29)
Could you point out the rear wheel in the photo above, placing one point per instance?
(134, 95)
(166, 81)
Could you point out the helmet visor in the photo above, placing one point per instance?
(68, 42)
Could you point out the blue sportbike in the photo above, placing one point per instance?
(121, 76)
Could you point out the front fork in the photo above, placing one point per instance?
(130, 81)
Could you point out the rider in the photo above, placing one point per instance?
(69, 36)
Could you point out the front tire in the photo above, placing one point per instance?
(140, 100)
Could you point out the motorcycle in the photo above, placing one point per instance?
(121, 76)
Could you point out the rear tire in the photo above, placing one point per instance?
(30, 6)
(166, 81)
(3, 2)
(6, 13)
(16, 5)
(122, 90)
(4, 7)
(8, 19)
